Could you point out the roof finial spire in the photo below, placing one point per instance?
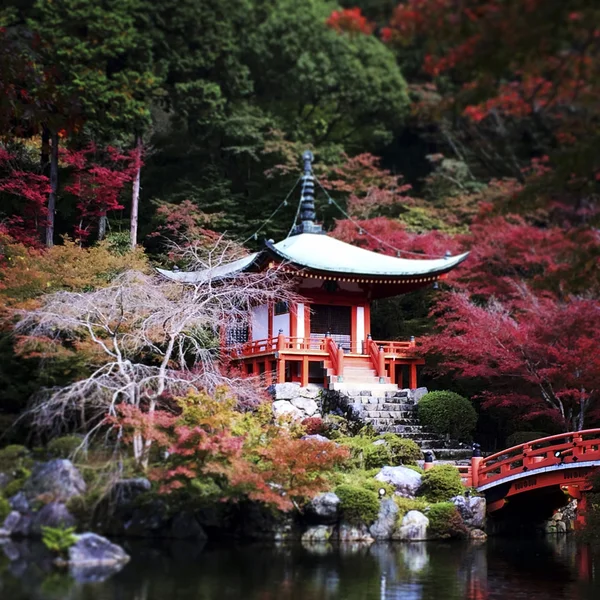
(307, 208)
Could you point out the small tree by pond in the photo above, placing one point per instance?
(148, 339)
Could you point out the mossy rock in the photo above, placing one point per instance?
(14, 456)
(445, 521)
(407, 504)
(357, 505)
(402, 451)
(441, 483)
(448, 413)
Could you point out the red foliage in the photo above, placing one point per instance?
(369, 187)
(383, 233)
(314, 426)
(350, 20)
(539, 358)
(34, 190)
(97, 182)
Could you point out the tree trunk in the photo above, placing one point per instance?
(53, 189)
(102, 226)
(135, 196)
(45, 151)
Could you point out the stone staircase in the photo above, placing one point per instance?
(394, 411)
(359, 374)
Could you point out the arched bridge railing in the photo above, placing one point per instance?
(564, 449)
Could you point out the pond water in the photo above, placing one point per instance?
(544, 569)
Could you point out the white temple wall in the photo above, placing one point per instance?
(260, 322)
(360, 325)
(300, 320)
(281, 322)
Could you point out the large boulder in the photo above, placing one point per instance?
(58, 478)
(306, 405)
(91, 549)
(315, 437)
(324, 508)
(10, 523)
(311, 392)
(472, 509)
(53, 514)
(286, 408)
(406, 482)
(384, 526)
(317, 534)
(284, 391)
(20, 503)
(150, 520)
(417, 393)
(413, 527)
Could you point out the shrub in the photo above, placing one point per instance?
(377, 456)
(58, 539)
(445, 521)
(402, 451)
(407, 504)
(441, 483)
(63, 447)
(14, 487)
(357, 505)
(363, 479)
(314, 425)
(448, 413)
(13, 456)
(4, 508)
(521, 437)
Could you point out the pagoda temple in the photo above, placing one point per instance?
(326, 339)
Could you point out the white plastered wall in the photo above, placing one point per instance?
(260, 322)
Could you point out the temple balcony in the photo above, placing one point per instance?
(326, 361)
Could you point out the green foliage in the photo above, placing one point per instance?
(376, 452)
(407, 504)
(445, 521)
(13, 457)
(357, 505)
(21, 475)
(521, 437)
(4, 508)
(58, 539)
(448, 413)
(441, 483)
(363, 479)
(63, 447)
(403, 451)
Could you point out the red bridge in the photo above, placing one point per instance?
(565, 460)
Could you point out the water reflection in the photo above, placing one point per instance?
(501, 569)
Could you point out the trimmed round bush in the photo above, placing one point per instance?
(522, 437)
(13, 456)
(448, 413)
(63, 447)
(357, 505)
(445, 521)
(377, 456)
(441, 483)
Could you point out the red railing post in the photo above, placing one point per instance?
(475, 465)
(340, 361)
(381, 363)
(280, 341)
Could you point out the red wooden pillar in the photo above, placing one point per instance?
(304, 373)
(381, 362)
(412, 376)
(281, 370)
(475, 463)
(393, 371)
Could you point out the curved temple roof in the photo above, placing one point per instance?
(323, 253)
(319, 252)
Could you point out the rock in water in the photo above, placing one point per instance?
(10, 523)
(93, 550)
(185, 526)
(414, 527)
(54, 514)
(58, 478)
(405, 481)
(477, 535)
(20, 503)
(354, 533)
(384, 526)
(324, 508)
(318, 534)
(472, 510)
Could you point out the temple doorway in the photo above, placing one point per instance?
(337, 320)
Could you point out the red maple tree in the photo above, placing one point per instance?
(350, 20)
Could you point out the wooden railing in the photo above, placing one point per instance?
(336, 356)
(377, 357)
(577, 446)
(396, 347)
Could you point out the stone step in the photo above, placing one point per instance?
(360, 388)
(392, 414)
